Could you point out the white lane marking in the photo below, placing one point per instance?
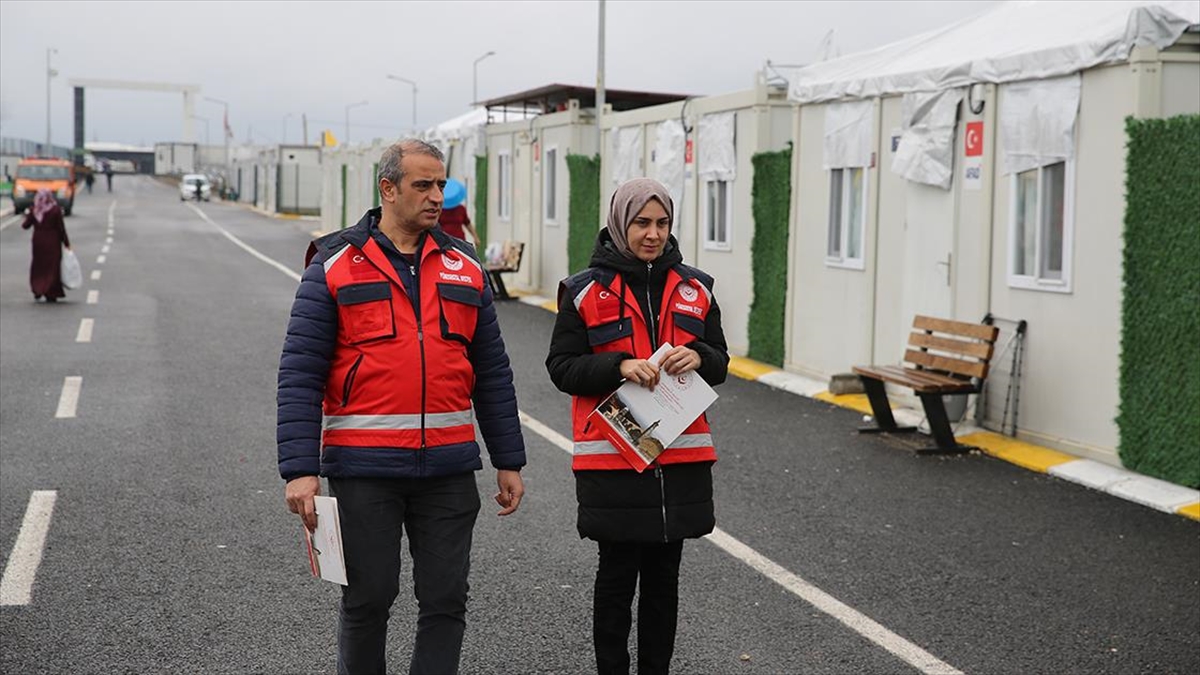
(110, 231)
(249, 249)
(95, 275)
(847, 615)
(69, 399)
(108, 240)
(105, 248)
(16, 587)
(10, 221)
(100, 259)
(93, 297)
(85, 330)
(111, 207)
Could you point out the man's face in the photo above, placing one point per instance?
(417, 201)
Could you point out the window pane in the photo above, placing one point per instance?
(834, 248)
(854, 223)
(1026, 223)
(722, 212)
(1053, 194)
(550, 168)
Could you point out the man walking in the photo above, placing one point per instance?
(392, 352)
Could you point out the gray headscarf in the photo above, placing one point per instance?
(628, 200)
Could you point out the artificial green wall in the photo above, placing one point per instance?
(1159, 418)
(481, 192)
(584, 214)
(770, 197)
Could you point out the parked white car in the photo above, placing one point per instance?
(187, 187)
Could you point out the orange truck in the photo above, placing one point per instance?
(51, 173)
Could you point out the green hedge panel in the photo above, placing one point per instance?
(771, 195)
(584, 214)
(1159, 417)
(481, 194)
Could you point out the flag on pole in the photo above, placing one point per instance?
(328, 139)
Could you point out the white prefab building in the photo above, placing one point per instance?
(701, 149)
(980, 169)
(529, 137)
(174, 158)
(529, 189)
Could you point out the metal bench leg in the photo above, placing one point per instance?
(877, 395)
(501, 292)
(939, 425)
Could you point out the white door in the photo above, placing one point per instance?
(928, 259)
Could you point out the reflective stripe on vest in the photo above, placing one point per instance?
(380, 422)
(606, 448)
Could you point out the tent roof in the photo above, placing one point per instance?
(1018, 40)
(553, 96)
(457, 127)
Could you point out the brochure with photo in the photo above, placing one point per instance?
(325, 557)
(642, 424)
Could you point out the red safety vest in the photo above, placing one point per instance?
(399, 380)
(615, 324)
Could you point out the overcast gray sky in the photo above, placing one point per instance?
(271, 59)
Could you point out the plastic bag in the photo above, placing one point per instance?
(71, 272)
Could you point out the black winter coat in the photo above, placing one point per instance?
(666, 503)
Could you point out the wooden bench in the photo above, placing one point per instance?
(947, 357)
(509, 261)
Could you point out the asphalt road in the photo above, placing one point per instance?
(170, 549)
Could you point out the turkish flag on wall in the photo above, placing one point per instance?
(974, 139)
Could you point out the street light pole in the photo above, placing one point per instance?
(414, 86)
(348, 107)
(475, 78)
(224, 126)
(50, 73)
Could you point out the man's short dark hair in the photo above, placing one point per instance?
(389, 161)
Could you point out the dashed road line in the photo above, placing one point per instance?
(16, 587)
(100, 259)
(68, 401)
(85, 330)
(93, 297)
(105, 248)
(11, 221)
(95, 275)
(851, 618)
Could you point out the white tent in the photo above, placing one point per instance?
(1018, 40)
(466, 128)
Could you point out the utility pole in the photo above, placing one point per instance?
(600, 77)
(225, 130)
(50, 73)
(304, 121)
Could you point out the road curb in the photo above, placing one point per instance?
(1116, 481)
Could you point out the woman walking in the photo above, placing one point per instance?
(635, 296)
(49, 238)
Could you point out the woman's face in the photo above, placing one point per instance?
(648, 231)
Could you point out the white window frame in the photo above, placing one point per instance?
(1038, 282)
(504, 185)
(711, 244)
(550, 185)
(839, 258)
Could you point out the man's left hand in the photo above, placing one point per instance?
(511, 490)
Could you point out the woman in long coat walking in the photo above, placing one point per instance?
(49, 238)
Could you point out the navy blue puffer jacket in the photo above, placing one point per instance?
(304, 370)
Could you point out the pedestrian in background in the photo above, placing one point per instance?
(49, 238)
(611, 319)
(455, 220)
(393, 352)
(108, 174)
(89, 178)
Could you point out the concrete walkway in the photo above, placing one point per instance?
(1119, 482)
